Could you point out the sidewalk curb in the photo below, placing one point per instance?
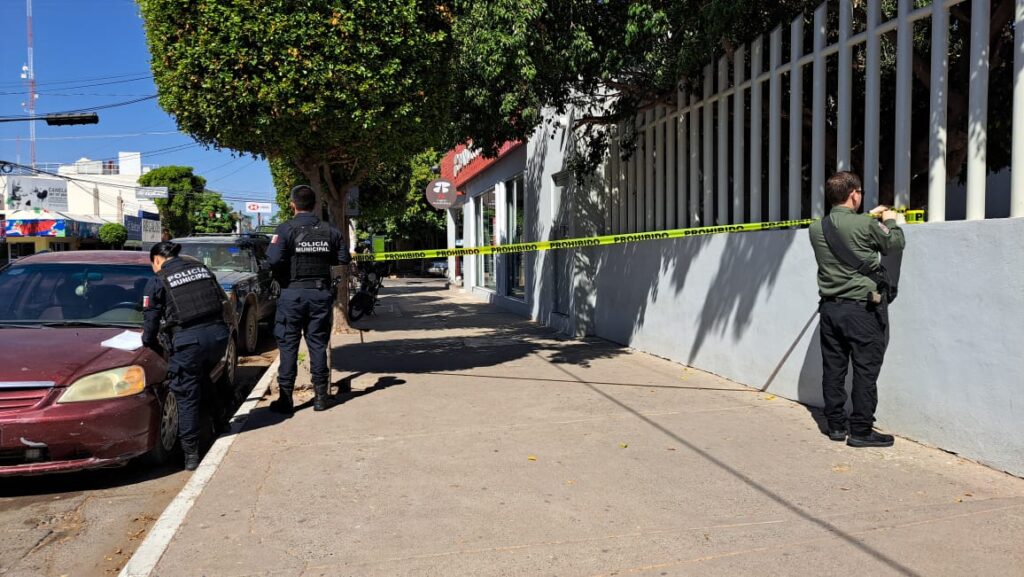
(146, 557)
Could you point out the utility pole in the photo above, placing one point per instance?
(28, 73)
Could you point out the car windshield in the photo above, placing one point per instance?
(219, 257)
(65, 293)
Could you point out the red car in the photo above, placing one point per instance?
(66, 401)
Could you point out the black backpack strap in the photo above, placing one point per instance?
(841, 250)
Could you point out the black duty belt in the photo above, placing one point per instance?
(315, 283)
(844, 301)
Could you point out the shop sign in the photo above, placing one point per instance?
(133, 225)
(152, 192)
(34, 193)
(23, 228)
(442, 195)
(259, 207)
(151, 231)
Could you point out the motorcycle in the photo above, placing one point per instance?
(362, 303)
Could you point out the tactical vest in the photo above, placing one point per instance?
(192, 292)
(312, 254)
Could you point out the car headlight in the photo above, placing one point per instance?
(121, 382)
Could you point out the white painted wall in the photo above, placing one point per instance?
(743, 306)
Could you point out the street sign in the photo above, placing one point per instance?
(259, 207)
(441, 194)
(152, 192)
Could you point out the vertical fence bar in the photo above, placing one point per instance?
(818, 112)
(756, 125)
(739, 126)
(708, 133)
(796, 118)
(1017, 159)
(670, 170)
(650, 155)
(775, 128)
(631, 182)
(977, 115)
(612, 209)
(659, 168)
(723, 142)
(872, 105)
(643, 157)
(682, 160)
(694, 190)
(844, 130)
(901, 164)
(937, 124)
(623, 185)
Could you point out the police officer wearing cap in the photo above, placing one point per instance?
(185, 295)
(855, 295)
(302, 252)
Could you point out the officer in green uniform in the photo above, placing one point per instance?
(853, 308)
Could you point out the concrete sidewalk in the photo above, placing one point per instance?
(477, 443)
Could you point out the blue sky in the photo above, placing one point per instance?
(91, 53)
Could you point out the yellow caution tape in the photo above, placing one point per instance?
(589, 241)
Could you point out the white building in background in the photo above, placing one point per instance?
(63, 206)
(106, 189)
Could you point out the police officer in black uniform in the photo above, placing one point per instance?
(302, 252)
(186, 296)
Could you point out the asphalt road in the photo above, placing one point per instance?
(89, 523)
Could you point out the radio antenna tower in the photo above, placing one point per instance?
(28, 74)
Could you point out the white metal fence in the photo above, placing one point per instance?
(677, 177)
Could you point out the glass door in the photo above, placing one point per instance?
(486, 231)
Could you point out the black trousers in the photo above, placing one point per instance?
(195, 352)
(859, 333)
(303, 311)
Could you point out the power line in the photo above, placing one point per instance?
(98, 136)
(235, 171)
(89, 109)
(140, 76)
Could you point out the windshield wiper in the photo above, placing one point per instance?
(92, 324)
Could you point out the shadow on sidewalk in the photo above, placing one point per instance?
(443, 354)
(263, 417)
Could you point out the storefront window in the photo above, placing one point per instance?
(486, 219)
(515, 263)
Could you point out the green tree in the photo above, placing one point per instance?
(113, 234)
(392, 203)
(333, 86)
(212, 214)
(185, 190)
(285, 176)
(610, 60)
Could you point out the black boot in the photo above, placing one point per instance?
(871, 439)
(283, 404)
(191, 450)
(321, 400)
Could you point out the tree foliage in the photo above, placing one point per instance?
(333, 86)
(392, 203)
(212, 214)
(113, 234)
(189, 207)
(183, 188)
(608, 61)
